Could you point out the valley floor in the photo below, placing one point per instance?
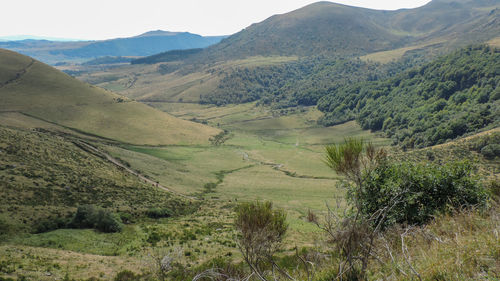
(268, 155)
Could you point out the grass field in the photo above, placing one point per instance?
(495, 42)
(267, 157)
(394, 55)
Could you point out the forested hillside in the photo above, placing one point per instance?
(429, 104)
(447, 98)
(300, 83)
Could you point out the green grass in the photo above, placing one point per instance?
(48, 94)
(86, 241)
(266, 158)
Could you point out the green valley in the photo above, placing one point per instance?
(331, 142)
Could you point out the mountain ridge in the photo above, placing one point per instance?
(145, 44)
(327, 28)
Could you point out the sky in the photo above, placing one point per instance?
(105, 19)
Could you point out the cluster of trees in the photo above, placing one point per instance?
(242, 85)
(447, 98)
(86, 216)
(302, 82)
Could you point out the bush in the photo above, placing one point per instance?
(209, 187)
(156, 213)
(106, 221)
(88, 216)
(84, 217)
(491, 151)
(50, 224)
(261, 230)
(417, 192)
(127, 275)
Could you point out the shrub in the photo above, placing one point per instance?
(156, 213)
(381, 193)
(84, 217)
(106, 221)
(417, 192)
(261, 230)
(491, 151)
(127, 275)
(209, 187)
(50, 224)
(88, 216)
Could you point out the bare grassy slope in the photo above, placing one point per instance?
(36, 89)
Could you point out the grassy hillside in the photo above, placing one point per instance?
(320, 28)
(473, 20)
(331, 29)
(38, 90)
(43, 175)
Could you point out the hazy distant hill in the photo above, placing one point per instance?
(143, 45)
(38, 90)
(146, 44)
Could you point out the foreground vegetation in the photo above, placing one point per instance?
(248, 161)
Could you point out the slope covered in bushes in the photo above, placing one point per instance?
(44, 177)
(447, 98)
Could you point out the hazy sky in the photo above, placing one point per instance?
(102, 19)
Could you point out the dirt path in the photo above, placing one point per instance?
(127, 169)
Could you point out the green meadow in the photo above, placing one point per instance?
(268, 156)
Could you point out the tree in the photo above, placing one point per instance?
(220, 138)
(261, 230)
(354, 160)
(354, 234)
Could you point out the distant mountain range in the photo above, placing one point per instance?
(34, 37)
(146, 44)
